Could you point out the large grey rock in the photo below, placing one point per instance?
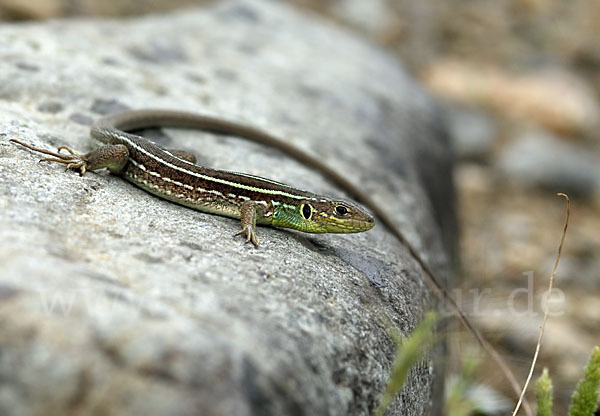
(115, 302)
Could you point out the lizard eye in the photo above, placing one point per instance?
(306, 211)
(341, 210)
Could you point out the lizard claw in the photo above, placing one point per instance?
(251, 236)
(72, 160)
(67, 148)
(79, 164)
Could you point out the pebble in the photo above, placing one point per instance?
(473, 133)
(554, 99)
(539, 159)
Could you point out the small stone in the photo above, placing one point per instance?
(34, 10)
(539, 159)
(473, 133)
(554, 99)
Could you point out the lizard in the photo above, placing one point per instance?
(174, 176)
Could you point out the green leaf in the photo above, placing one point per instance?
(585, 398)
(408, 353)
(543, 394)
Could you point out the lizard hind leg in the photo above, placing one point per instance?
(72, 159)
(113, 157)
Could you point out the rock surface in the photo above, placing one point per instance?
(115, 302)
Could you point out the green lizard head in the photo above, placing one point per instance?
(323, 216)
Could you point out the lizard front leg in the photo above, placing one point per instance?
(248, 214)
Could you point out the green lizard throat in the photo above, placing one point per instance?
(174, 175)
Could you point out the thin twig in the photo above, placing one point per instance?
(547, 306)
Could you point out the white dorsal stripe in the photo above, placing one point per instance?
(158, 159)
(245, 175)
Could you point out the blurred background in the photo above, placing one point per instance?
(519, 82)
